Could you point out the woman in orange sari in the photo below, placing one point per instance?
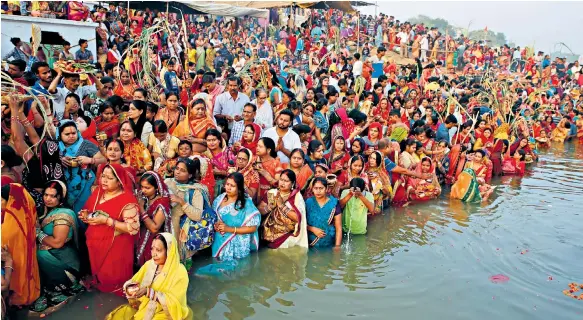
(19, 236)
(125, 87)
(267, 165)
(112, 214)
(135, 153)
(194, 126)
(297, 163)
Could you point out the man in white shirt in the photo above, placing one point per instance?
(424, 44)
(229, 105)
(357, 67)
(71, 84)
(404, 36)
(264, 116)
(286, 140)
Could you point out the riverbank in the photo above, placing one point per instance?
(431, 259)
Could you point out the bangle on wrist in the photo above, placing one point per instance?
(9, 267)
(235, 231)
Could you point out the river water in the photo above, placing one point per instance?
(430, 260)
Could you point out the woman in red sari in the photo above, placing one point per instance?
(112, 214)
(338, 156)
(107, 122)
(155, 214)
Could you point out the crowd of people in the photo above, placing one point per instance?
(234, 136)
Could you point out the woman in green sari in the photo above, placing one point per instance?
(57, 253)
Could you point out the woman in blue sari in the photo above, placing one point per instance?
(77, 155)
(238, 220)
(324, 217)
(57, 253)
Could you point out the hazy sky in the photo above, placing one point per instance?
(524, 23)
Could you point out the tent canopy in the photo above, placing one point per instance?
(339, 5)
(197, 7)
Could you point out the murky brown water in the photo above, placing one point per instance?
(429, 260)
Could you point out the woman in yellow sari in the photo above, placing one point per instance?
(158, 290)
(194, 126)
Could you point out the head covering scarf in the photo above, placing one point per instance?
(72, 150)
(251, 176)
(170, 286)
(253, 144)
(378, 126)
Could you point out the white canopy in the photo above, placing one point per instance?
(226, 9)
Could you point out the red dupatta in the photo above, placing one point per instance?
(252, 146)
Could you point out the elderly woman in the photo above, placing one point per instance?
(77, 154)
(194, 126)
(113, 216)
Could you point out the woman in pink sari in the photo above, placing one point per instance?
(221, 157)
(77, 11)
(344, 128)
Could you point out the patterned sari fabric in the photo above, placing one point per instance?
(322, 217)
(193, 126)
(274, 167)
(46, 164)
(19, 236)
(221, 161)
(466, 187)
(282, 232)
(160, 203)
(137, 155)
(230, 246)
(423, 189)
(193, 234)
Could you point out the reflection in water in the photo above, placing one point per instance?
(427, 260)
